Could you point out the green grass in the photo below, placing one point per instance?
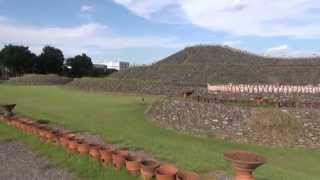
(121, 119)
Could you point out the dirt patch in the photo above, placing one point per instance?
(19, 163)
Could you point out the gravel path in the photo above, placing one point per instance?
(17, 162)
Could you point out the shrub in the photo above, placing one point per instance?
(37, 79)
(276, 124)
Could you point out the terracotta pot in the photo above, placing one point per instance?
(118, 158)
(11, 121)
(3, 119)
(64, 141)
(49, 135)
(36, 129)
(133, 164)
(21, 125)
(70, 135)
(83, 148)
(55, 138)
(8, 109)
(244, 162)
(148, 168)
(26, 124)
(166, 172)
(106, 155)
(43, 132)
(39, 130)
(29, 128)
(94, 151)
(147, 174)
(188, 175)
(73, 145)
(16, 123)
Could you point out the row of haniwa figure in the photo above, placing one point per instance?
(264, 88)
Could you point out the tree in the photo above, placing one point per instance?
(19, 59)
(81, 65)
(50, 61)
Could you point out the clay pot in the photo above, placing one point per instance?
(133, 164)
(55, 138)
(118, 158)
(244, 162)
(11, 121)
(106, 155)
(94, 151)
(166, 172)
(73, 145)
(3, 119)
(49, 136)
(148, 168)
(21, 125)
(16, 123)
(146, 174)
(187, 175)
(29, 127)
(64, 141)
(34, 129)
(8, 109)
(43, 132)
(83, 148)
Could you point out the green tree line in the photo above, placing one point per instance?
(20, 60)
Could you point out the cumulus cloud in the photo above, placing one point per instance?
(276, 49)
(285, 51)
(91, 37)
(87, 8)
(239, 17)
(231, 43)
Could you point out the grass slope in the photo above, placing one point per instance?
(121, 119)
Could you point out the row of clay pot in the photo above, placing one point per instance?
(107, 155)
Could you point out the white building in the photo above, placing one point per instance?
(117, 65)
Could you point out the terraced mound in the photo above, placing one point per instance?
(127, 86)
(199, 65)
(38, 79)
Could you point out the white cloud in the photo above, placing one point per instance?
(3, 19)
(146, 8)
(285, 51)
(87, 38)
(231, 43)
(87, 8)
(240, 17)
(281, 48)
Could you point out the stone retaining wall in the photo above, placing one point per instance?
(230, 122)
(128, 86)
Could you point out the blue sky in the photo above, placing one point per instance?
(143, 31)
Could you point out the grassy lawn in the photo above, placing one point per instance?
(121, 120)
